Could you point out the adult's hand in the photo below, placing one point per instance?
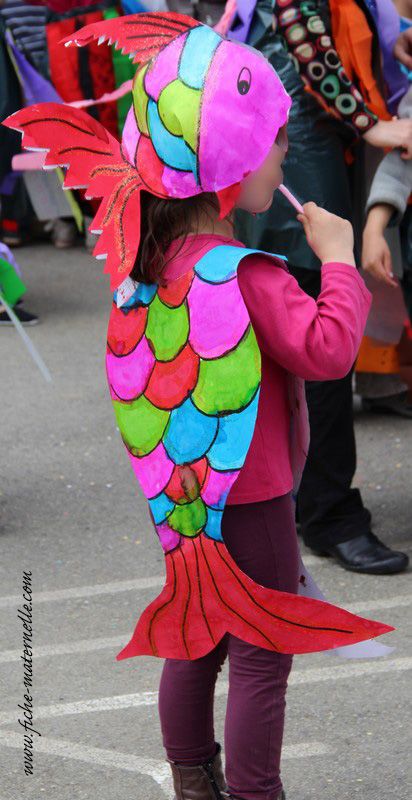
(403, 48)
(392, 133)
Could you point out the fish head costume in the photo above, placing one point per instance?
(185, 392)
(205, 114)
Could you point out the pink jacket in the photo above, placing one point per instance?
(316, 340)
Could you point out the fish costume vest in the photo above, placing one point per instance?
(183, 363)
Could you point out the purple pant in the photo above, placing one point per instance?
(261, 537)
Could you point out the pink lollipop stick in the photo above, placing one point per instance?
(289, 196)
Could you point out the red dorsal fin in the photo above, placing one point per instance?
(141, 36)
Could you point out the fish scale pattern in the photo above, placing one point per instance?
(167, 98)
(185, 392)
(184, 370)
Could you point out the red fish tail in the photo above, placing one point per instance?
(207, 595)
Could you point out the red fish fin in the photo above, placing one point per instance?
(93, 160)
(141, 36)
(206, 595)
(227, 199)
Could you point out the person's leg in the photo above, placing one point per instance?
(261, 537)
(255, 720)
(329, 509)
(331, 513)
(186, 696)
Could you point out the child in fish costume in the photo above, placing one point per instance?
(189, 376)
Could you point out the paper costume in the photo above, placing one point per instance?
(183, 363)
(185, 394)
(176, 140)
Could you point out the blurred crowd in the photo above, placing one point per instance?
(348, 66)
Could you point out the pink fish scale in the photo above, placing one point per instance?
(180, 184)
(165, 68)
(130, 137)
(216, 487)
(217, 319)
(128, 375)
(153, 471)
(168, 537)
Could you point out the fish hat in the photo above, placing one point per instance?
(205, 114)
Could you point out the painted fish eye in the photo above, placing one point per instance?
(244, 80)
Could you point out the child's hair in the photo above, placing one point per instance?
(163, 220)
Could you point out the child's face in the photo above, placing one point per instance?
(258, 188)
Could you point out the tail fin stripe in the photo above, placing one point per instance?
(189, 595)
(161, 608)
(201, 595)
(250, 624)
(275, 616)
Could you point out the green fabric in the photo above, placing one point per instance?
(11, 285)
(123, 70)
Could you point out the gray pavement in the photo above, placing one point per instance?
(70, 512)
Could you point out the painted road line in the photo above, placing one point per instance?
(153, 582)
(114, 703)
(398, 601)
(297, 678)
(77, 592)
(77, 647)
(67, 648)
(114, 587)
(159, 771)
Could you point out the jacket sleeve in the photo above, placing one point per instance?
(314, 339)
(392, 184)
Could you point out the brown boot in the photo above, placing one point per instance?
(203, 782)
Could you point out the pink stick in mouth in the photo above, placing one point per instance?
(289, 196)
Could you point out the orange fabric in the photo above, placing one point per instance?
(353, 41)
(373, 357)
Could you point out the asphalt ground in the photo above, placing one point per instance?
(71, 513)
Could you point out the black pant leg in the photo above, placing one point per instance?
(329, 510)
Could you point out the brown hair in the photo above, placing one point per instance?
(162, 221)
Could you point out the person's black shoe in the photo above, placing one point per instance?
(25, 317)
(398, 404)
(367, 554)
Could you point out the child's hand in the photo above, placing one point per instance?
(330, 237)
(392, 133)
(376, 257)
